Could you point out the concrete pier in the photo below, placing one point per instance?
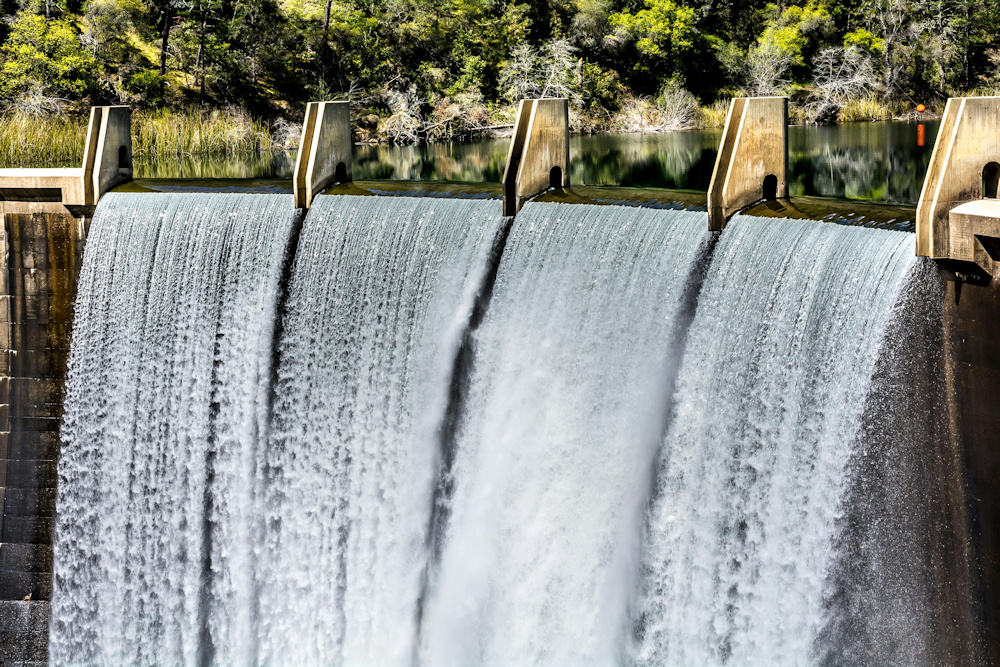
(324, 156)
(958, 225)
(538, 157)
(964, 168)
(752, 164)
(107, 162)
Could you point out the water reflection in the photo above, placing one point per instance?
(881, 162)
(274, 165)
(874, 161)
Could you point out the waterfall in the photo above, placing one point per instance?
(382, 291)
(752, 477)
(565, 409)
(166, 409)
(438, 436)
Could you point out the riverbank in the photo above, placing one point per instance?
(57, 140)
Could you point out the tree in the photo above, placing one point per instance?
(551, 71)
(842, 74)
(45, 57)
(662, 33)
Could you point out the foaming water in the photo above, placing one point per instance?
(564, 411)
(165, 414)
(381, 294)
(754, 470)
(462, 440)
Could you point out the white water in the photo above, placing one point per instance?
(381, 293)
(754, 468)
(165, 408)
(585, 476)
(565, 411)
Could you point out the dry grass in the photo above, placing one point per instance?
(866, 109)
(28, 139)
(193, 131)
(714, 117)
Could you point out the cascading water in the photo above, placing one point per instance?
(563, 414)
(743, 532)
(165, 411)
(457, 459)
(382, 291)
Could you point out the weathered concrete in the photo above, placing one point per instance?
(961, 170)
(324, 155)
(43, 252)
(538, 157)
(971, 316)
(974, 228)
(107, 161)
(752, 164)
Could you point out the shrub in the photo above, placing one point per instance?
(42, 55)
(672, 110)
(148, 85)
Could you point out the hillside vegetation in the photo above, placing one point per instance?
(442, 69)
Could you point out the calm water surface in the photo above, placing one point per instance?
(882, 162)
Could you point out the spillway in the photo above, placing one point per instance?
(166, 408)
(380, 298)
(760, 493)
(564, 411)
(412, 431)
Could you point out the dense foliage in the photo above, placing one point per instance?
(441, 68)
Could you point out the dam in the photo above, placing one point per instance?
(353, 423)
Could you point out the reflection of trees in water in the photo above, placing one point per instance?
(871, 161)
(858, 173)
(268, 165)
(683, 160)
(471, 162)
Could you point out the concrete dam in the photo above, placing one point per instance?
(326, 422)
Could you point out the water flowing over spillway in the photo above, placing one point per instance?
(166, 406)
(381, 294)
(564, 414)
(436, 436)
(755, 469)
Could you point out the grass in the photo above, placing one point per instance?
(714, 117)
(28, 140)
(866, 109)
(164, 133)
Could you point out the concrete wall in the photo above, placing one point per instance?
(539, 152)
(972, 329)
(967, 141)
(43, 254)
(754, 146)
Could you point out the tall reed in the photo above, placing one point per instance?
(30, 140)
(866, 109)
(27, 140)
(192, 131)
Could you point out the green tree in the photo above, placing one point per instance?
(45, 56)
(663, 34)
